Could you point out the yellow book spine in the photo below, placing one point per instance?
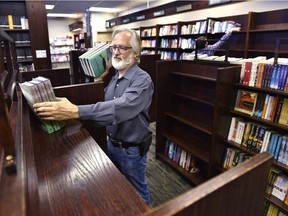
(10, 22)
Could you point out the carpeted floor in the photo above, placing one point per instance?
(164, 183)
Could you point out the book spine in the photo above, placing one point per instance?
(10, 22)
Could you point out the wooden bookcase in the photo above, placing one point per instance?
(194, 111)
(149, 39)
(258, 36)
(278, 128)
(27, 40)
(82, 41)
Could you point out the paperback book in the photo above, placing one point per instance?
(246, 102)
(40, 90)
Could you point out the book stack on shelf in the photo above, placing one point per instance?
(94, 60)
(39, 90)
(277, 187)
(182, 157)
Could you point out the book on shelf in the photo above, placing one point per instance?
(280, 187)
(233, 157)
(246, 134)
(259, 105)
(273, 173)
(282, 150)
(93, 61)
(35, 91)
(283, 117)
(236, 130)
(246, 102)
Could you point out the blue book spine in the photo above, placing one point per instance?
(274, 144)
(278, 145)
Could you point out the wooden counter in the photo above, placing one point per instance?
(64, 173)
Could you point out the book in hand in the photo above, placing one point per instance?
(36, 91)
(246, 102)
(93, 61)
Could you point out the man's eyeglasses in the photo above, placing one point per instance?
(121, 49)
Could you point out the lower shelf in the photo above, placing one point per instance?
(194, 178)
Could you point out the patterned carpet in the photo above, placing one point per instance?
(164, 183)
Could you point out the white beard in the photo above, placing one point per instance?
(123, 63)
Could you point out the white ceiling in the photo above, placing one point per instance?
(68, 6)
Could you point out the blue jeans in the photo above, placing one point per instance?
(133, 166)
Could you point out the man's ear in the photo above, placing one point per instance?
(136, 56)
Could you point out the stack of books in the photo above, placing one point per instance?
(94, 60)
(39, 90)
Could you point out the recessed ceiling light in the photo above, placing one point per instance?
(105, 10)
(49, 7)
(62, 15)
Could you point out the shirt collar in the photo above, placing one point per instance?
(129, 73)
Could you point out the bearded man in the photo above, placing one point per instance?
(124, 112)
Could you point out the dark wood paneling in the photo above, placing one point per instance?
(39, 36)
(58, 77)
(218, 195)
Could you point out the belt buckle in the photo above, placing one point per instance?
(120, 144)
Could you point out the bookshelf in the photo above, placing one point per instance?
(193, 112)
(27, 36)
(148, 39)
(268, 124)
(60, 48)
(258, 36)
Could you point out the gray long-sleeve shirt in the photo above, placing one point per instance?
(125, 109)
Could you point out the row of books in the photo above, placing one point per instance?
(14, 22)
(60, 49)
(150, 32)
(278, 185)
(24, 53)
(181, 157)
(233, 157)
(167, 55)
(213, 26)
(60, 58)
(148, 52)
(64, 40)
(26, 67)
(263, 75)
(187, 43)
(168, 30)
(39, 90)
(20, 38)
(272, 210)
(148, 43)
(93, 61)
(168, 43)
(273, 108)
(259, 138)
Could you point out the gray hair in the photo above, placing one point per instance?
(135, 40)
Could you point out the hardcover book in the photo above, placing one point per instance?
(93, 61)
(246, 102)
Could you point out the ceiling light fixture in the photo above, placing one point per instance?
(104, 10)
(62, 15)
(49, 7)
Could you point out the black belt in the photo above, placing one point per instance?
(123, 144)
